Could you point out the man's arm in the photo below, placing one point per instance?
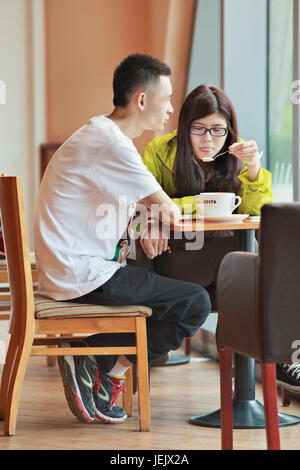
(160, 207)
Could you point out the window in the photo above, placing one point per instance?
(253, 61)
(280, 109)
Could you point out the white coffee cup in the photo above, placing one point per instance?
(217, 204)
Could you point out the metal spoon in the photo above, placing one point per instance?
(211, 159)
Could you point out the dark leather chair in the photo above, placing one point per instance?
(258, 297)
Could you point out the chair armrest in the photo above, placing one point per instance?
(237, 301)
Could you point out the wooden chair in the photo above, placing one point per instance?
(4, 292)
(5, 297)
(33, 316)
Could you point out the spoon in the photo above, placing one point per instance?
(211, 159)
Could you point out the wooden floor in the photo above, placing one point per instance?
(177, 392)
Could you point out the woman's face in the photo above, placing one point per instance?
(208, 145)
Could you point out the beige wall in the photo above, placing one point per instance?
(86, 40)
(22, 117)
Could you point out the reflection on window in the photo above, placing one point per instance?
(280, 104)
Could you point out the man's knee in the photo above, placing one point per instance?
(201, 297)
(200, 307)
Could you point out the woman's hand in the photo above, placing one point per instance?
(248, 153)
(245, 151)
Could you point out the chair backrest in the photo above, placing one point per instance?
(279, 280)
(17, 252)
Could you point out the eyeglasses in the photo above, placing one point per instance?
(214, 131)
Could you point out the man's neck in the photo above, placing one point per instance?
(126, 122)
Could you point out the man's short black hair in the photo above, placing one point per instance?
(134, 72)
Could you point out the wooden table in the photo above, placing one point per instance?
(247, 412)
(245, 224)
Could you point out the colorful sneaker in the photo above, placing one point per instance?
(105, 394)
(288, 376)
(78, 374)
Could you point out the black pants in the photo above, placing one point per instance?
(178, 309)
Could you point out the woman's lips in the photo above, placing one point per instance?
(205, 149)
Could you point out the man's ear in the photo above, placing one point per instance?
(141, 100)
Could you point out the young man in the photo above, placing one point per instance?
(84, 210)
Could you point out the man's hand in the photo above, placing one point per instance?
(153, 239)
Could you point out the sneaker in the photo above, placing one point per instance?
(161, 361)
(288, 376)
(78, 374)
(105, 394)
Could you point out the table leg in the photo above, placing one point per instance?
(247, 412)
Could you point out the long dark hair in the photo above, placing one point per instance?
(201, 102)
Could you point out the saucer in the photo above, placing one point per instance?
(231, 217)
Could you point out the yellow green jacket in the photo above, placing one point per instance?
(159, 157)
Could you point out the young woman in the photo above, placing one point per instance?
(208, 127)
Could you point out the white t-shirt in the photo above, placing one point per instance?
(84, 207)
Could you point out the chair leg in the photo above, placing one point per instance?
(142, 374)
(187, 346)
(134, 378)
(127, 396)
(285, 396)
(226, 399)
(51, 360)
(6, 374)
(268, 372)
(15, 385)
